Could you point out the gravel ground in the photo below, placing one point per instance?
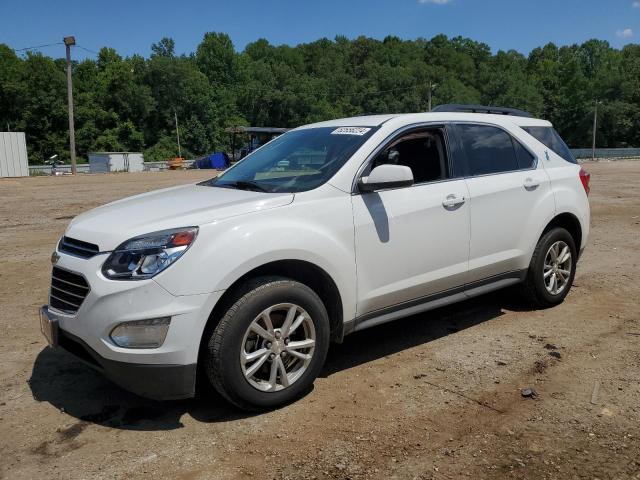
(436, 395)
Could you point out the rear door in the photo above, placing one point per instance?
(509, 193)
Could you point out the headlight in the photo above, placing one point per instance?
(147, 255)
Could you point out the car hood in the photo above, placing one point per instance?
(189, 205)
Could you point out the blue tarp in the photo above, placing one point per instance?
(218, 160)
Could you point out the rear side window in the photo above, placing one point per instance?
(488, 149)
(525, 158)
(551, 139)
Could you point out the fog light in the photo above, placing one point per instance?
(141, 333)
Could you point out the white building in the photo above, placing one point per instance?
(13, 155)
(103, 162)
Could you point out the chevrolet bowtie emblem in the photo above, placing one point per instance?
(54, 258)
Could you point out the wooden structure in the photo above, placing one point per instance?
(258, 136)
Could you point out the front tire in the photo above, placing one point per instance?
(269, 346)
(552, 269)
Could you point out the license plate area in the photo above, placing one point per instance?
(49, 327)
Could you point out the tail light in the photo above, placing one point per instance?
(585, 177)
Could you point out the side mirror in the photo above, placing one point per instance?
(386, 176)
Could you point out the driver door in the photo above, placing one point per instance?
(412, 243)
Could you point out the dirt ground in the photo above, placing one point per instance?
(436, 395)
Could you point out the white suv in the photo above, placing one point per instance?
(329, 229)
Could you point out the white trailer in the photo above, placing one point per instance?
(103, 162)
(13, 155)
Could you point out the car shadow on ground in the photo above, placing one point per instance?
(77, 390)
(389, 338)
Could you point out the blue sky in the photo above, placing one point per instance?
(132, 26)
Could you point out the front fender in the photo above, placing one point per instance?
(306, 230)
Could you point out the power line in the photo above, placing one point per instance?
(256, 88)
(377, 92)
(35, 47)
(87, 50)
(38, 46)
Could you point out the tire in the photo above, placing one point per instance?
(236, 335)
(536, 288)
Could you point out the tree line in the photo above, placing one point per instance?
(129, 103)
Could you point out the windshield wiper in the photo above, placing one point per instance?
(243, 185)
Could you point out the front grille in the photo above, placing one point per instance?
(78, 247)
(68, 290)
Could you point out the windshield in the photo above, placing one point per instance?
(297, 161)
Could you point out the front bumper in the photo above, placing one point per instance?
(158, 382)
(111, 302)
(166, 372)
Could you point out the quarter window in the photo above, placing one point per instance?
(525, 159)
(492, 150)
(551, 139)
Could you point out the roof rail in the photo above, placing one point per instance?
(455, 107)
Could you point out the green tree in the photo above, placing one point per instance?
(12, 88)
(216, 58)
(44, 116)
(131, 103)
(164, 48)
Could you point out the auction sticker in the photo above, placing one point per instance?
(350, 131)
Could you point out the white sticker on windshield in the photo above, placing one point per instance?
(350, 131)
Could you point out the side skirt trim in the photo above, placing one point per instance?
(436, 300)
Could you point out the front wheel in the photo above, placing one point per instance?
(552, 269)
(270, 345)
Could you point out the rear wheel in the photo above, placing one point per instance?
(552, 269)
(270, 345)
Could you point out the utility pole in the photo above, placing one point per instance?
(69, 41)
(595, 127)
(432, 87)
(175, 115)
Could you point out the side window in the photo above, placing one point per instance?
(423, 151)
(488, 149)
(525, 159)
(551, 139)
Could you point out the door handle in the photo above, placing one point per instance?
(452, 201)
(531, 184)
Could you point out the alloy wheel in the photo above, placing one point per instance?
(557, 267)
(277, 347)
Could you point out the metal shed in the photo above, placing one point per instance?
(13, 155)
(103, 162)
